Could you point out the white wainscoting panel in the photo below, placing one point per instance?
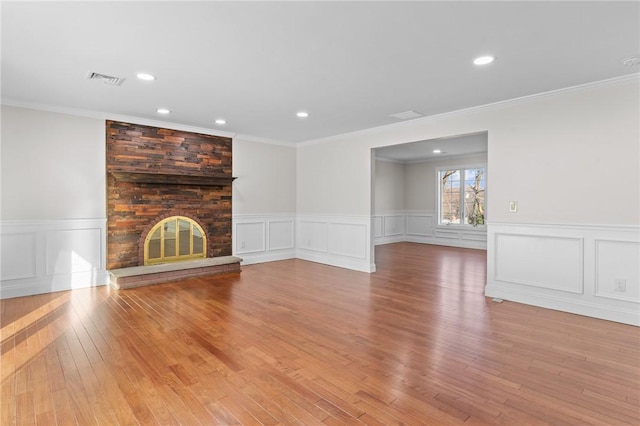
(18, 256)
(420, 227)
(394, 225)
(389, 227)
(617, 260)
(313, 235)
(251, 237)
(282, 235)
(448, 234)
(53, 255)
(343, 241)
(540, 261)
(263, 238)
(571, 268)
(378, 226)
(70, 251)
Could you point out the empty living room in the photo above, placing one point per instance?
(320, 212)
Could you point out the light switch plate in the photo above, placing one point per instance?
(513, 206)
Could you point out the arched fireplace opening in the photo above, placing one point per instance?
(175, 239)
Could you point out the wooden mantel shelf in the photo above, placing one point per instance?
(172, 179)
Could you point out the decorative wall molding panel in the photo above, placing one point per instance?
(540, 261)
(264, 238)
(53, 255)
(587, 270)
(333, 240)
(615, 261)
(343, 241)
(419, 227)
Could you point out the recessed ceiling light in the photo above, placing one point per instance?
(484, 60)
(221, 121)
(145, 76)
(163, 111)
(302, 114)
(437, 151)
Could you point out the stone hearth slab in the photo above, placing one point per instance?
(137, 276)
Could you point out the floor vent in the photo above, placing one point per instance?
(106, 79)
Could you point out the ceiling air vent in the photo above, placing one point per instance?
(106, 79)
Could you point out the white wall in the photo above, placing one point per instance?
(266, 178)
(264, 201)
(53, 165)
(568, 158)
(53, 214)
(334, 178)
(389, 186)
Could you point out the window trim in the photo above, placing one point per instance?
(438, 191)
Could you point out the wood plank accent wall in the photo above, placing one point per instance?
(132, 207)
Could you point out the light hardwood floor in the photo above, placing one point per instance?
(295, 342)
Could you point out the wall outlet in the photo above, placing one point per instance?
(241, 244)
(513, 206)
(620, 284)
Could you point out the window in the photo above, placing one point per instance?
(461, 195)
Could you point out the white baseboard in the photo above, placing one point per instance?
(251, 259)
(53, 284)
(625, 315)
(339, 261)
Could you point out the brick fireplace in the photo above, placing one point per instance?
(154, 173)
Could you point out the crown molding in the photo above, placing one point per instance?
(117, 117)
(481, 108)
(241, 137)
(144, 121)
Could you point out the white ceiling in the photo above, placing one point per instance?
(476, 143)
(349, 64)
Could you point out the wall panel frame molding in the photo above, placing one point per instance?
(343, 241)
(264, 238)
(52, 255)
(572, 268)
(543, 261)
(420, 227)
